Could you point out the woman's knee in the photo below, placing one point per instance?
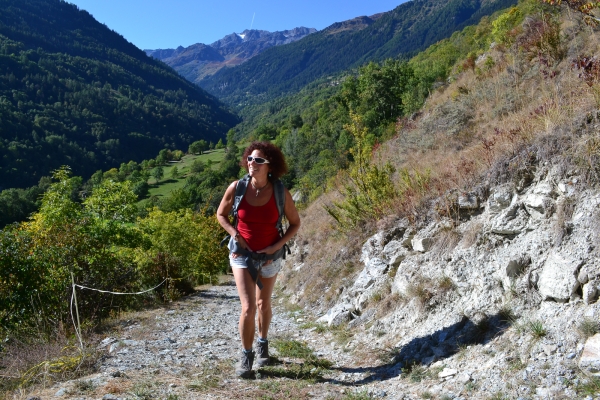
(249, 309)
(263, 305)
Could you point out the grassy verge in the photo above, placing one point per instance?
(302, 363)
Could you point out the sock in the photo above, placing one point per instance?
(261, 340)
(248, 351)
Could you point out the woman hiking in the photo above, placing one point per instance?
(257, 243)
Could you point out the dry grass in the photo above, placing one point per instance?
(445, 242)
(533, 106)
(471, 235)
(329, 257)
(40, 361)
(562, 223)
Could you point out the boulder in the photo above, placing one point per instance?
(374, 269)
(394, 253)
(510, 221)
(447, 372)
(514, 265)
(421, 244)
(567, 188)
(376, 243)
(510, 267)
(337, 315)
(403, 276)
(501, 198)
(583, 276)
(372, 247)
(590, 358)
(468, 202)
(558, 279)
(538, 206)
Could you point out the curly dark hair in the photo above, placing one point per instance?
(272, 153)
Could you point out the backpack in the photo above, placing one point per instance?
(240, 191)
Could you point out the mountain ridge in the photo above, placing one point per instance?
(199, 60)
(399, 33)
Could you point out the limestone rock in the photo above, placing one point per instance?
(566, 188)
(513, 266)
(537, 205)
(421, 244)
(501, 198)
(376, 243)
(447, 372)
(403, 277)
(468, 202)
(394, 253)
(590, 358)
(510, 221)
(373, 270)
(372, 247)
(590, 293)
(337, 315)
(583, 277)
(558, 280)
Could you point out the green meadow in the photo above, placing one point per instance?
(168, 184)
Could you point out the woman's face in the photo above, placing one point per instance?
(258, 170)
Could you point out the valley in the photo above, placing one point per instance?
(449, 204)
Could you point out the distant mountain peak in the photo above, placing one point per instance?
(200, 60)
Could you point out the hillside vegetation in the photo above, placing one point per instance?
(528, 98)
(402, 32)
(73, 92)
(397, 140)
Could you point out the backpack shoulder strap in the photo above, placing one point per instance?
(280, 201)
(240, 191)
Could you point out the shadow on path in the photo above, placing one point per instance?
(425, 350)
(209, 294)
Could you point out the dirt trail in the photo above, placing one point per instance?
(188, 350)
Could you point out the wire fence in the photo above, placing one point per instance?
(77, 324)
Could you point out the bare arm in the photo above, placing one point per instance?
(223, 214)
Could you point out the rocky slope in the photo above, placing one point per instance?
(199, 60)
(499, 302)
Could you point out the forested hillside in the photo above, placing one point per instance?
(74, 92)
(409, 28)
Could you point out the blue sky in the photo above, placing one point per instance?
(154, 24)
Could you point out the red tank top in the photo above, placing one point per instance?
(257, 224)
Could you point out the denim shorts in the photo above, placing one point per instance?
(267, 271)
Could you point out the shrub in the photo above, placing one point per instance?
(504, 24)
(184, 247)
(66, 237)
(369, 190)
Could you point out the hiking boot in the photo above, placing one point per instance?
(243, 368)
(262, 353)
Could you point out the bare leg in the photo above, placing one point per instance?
(247, 292)
(263, 303)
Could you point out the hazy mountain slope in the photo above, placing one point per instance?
(410, 27)
(199, 60)
(74, 92)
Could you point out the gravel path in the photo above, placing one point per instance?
(188, 351)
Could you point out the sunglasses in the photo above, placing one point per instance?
(258, 160)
